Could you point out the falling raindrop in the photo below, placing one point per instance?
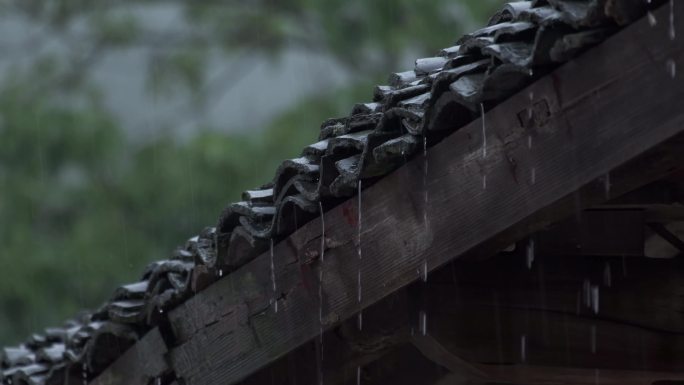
(320, 307)
(84, 373)
(595, 298)
(484, 131)
(273, 280)
(530, 252)
(607, 275)
(534, 175)
(586, 290)
(672, 22)
(424, 146)
(523, 348)
(358, 286)
(530, 111)
(425, 190)
(672, 68)
(651, 19)
(359, 320)
(484, 181)
(161, 311)
(220, 272)
(358, 235)
(529, 142)
(607, 185)
(320, 208)
(423, 322)
(358, 375)
(593, 339)
(358, 251)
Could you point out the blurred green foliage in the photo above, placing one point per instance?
(83, 208)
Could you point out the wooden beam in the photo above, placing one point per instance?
(615, 111)
(664, 233)
(139, 365)
(343, 352)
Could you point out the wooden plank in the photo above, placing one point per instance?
(346, 349)
(139, 365)
(615, 111)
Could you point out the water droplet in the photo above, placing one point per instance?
(220, 272)
(359, 320)
(273, 279)
(425, 145)
(320, 304)
(426, 197)
(484, 131)
(358, 286)
(533, 177)
(484, 181)
(529, 142)
(651, 19)
(586, 290)
(423, 322)
(672, 68)
(358, 251)
(320, 208)
(523, 348)
(672, 21)
(595, 298)
(530, 252)
(607, 275)
(359, 220)
(161, 311)
(358, 375)
(425, 271)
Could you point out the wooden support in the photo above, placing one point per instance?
(617, 118)
(664, 233)
(139, 365)
(342, 352)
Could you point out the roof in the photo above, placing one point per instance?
(414, 111)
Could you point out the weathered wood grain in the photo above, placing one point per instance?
(140, 364)
(614, 111)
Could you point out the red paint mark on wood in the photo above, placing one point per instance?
(349, 212)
